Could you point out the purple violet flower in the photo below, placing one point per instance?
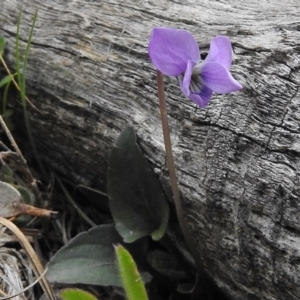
(175, 52)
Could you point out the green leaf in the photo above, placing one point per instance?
(9, 196)
(89, 258)
(137, 201)
(7, 114)
(131, 278)
(7, 174)
(2, 45)
(76, 294)
(5, 80)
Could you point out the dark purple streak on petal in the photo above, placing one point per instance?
(203, 97)
(186, 81)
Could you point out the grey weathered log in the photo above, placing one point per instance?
(238, 160)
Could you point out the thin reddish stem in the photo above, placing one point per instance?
(172, 173)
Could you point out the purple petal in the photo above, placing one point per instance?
(203, 97)
(218, 78)
(170, 49)
(220, 51)
(185, 82)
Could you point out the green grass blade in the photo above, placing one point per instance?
(17, 58)
(76, 294)
(131, 278)
(21, 82)
(27, 50)
(5, 81)
(2, 45)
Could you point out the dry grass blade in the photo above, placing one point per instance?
(26, 209)
(11, 139)
(73, 203)
(16, 85)
(15, 272)
(38, 267)
(27, 288)
(19, 153)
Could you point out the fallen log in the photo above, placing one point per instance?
(238, 160)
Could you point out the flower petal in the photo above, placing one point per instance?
(203, 97)
(170, 49)
(186, 80)
(218, 78)
(220, 51)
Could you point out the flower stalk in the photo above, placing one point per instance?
(168, 145)
(172, 172)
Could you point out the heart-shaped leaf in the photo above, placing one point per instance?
(137, 201)
(88, 258)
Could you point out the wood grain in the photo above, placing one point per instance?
(238, 160)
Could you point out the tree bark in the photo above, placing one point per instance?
(238, 160)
